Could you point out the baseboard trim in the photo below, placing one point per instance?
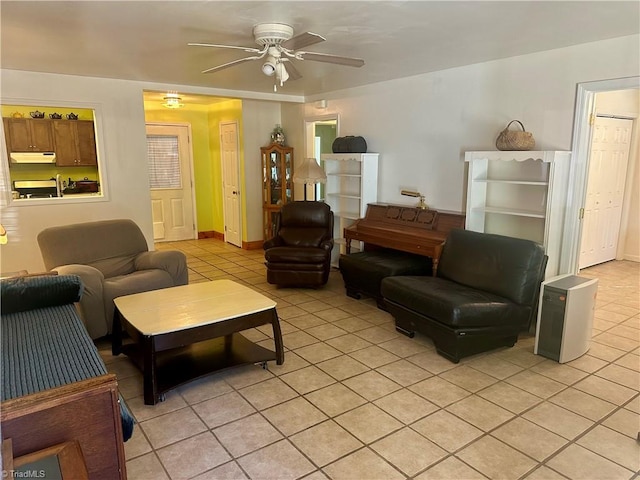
(255, 245)
(211, 234)
(633, 258)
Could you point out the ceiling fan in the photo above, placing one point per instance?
(278, 48)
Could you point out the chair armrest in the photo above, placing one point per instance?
(272, 242)
(173, 262)
(327, 244)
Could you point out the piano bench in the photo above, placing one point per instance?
(363, 272)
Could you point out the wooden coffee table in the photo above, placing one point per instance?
(182, 333)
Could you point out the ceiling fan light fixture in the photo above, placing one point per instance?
(172, 100)
(269, 66)
(281, 73)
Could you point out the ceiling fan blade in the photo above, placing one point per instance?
(293, 72)
(303, 40)
(230, 64)
(246, 49)
(326, 58)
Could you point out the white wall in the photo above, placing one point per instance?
(422, 125)
(121, 133)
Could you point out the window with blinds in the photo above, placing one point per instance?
(164, 162)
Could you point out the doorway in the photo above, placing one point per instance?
(231, 183)
(320, 132)
(171, 182)
(577, 189)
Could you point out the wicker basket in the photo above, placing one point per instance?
(515, 140)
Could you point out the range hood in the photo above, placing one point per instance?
(32, 157)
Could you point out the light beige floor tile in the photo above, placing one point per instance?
(298, 339)
(376, 335)
(317, 475)
(536, 384)
(544, 473)
(291, 363)
(348, 343)
(318, 352)
(614, 446)
(406, 406)
(289, 313)
(131, 387)
(352, 324)
(192, 456)
(374, 356)
(122, 367)
(270, 392)
(228, 471)
(468, 378)
(621, 375)
(606, 390)
(203, 389)
(560, 372)
(439, 391)
(409, 451)
(626, 311)
(314, 306)
(146, 467)
(480, 412)
(342, 367)
(325, 443)
(293, 416)
(246, 435)
(558, 420)
(371, 385)
(280, 460)
(332, 314)
(403, 372)
(173, 401)
(432, 362)
(305, 321)
(223, 409)
(617, 342)
(529, 438)
(335, 399)
(625, 422)
(447, 430)
(587, 363)
(491, 365)
(633, 405)
(523, 357)
(172, 427)
(368, 423)
(495, 459)
(307, 379)
(403, 347)
(137, 445)
(583, 404)
(451, 468)
(362, 464)
(578, 462)
(325, 331)
(605, 352)
(512, 398)
(246, 375)
(630, 361)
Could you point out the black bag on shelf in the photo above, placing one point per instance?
(349, 144)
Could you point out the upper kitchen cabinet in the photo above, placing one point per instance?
(28, 135)
(75, 143)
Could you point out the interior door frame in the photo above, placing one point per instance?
(192, 180)
(309, 138)
(578, 173)
(238, 176)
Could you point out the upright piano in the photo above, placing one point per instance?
(406, 228)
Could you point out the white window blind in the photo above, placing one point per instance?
(164, 162)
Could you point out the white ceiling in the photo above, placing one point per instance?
(147, 40)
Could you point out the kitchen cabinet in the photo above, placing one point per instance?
(75, 143)
(519, 194)
(277, 183)
(352, 183)
(28, 135)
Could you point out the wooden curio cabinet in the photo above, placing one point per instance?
(277, 183)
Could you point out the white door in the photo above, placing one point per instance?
(170, 181)
(610, 142)
(231, 183)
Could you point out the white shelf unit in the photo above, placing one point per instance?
(519, 194)
(352, 183)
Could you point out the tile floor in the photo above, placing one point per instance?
(354, 399)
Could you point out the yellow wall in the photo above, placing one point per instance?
(207, 168)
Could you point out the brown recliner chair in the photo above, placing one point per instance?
(299, 254)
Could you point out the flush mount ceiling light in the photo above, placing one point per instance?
(172, 100)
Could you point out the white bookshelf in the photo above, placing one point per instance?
(352, 183)
(519, 194)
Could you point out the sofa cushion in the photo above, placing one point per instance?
(453, 304)
(19, 294)
(296, 255)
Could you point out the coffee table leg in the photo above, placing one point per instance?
(277, 338)
(116, 334)
(149, 371)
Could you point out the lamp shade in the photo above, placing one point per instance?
(309, 172)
